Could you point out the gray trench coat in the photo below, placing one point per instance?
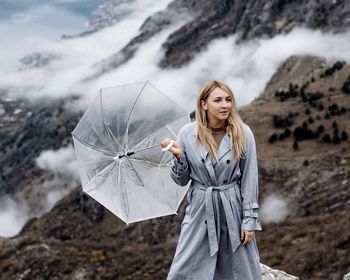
(223, 200)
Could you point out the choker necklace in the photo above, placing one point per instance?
(218, 130)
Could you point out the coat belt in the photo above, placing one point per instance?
(232, 226)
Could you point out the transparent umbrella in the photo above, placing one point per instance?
(117, 145)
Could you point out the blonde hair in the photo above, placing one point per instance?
(235, 125)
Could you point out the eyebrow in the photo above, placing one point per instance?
(219, 97)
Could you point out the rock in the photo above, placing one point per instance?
(268, 273)
(38, 59)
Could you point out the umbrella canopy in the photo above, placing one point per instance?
(117, 145)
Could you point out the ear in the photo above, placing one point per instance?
(204, 105)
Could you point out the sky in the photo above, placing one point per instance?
(26, 24)
(30, 26)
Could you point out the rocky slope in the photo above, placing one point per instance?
(79, 239)
(27, 128)
(205, 21)
(252, 19)
(301, 124)
(313, 174)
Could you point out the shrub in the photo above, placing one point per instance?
(279, 122)
(326, 138)
(320, 128)
(301, 133)
(287, 132)
(336, 139)
(346, 86)
(344, 135)
(273, 138)
(295, 145)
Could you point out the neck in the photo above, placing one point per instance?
(217, 124)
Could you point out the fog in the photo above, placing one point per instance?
(274, 209)
(246, 67)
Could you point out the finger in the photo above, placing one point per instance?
(250, 236)
(167, 147)
(245, 240)
(242, 235)
(247, 237)
(164, 142)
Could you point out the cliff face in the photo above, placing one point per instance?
(79, 239)
(204, 21)
(252, 19)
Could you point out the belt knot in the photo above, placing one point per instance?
(232, 225)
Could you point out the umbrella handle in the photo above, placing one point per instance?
(169, 146)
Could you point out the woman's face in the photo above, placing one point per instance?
(218, 105)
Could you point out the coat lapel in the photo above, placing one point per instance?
(224, 147)
(204, 154)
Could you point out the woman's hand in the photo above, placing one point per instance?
(247, 236)
(175, 148)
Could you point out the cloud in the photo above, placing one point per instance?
(246, 67)
(32, 30)
(62, 165)
(61, 161)
(273, 209)
(13, 215)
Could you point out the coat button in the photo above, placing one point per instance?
(225, 181)
(203, 160)
(228, 161)
(205, 222)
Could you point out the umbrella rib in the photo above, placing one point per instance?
(93, 161)
(105, 126)
(151, 163)
(111, 135)
(99, 174)
(147, 148)
(151, 147)
(171, 131)
(108, 153)
(134, 171)
(148, 190)
(131, 111)
(123, 206)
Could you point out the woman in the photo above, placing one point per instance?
(217, 153)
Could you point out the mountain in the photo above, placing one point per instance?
(309, 101)
(79, 238)
(301, 126)
(209, 20)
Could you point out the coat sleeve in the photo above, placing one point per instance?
(250, 186)
(180, 169)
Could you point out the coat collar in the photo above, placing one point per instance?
(224, 147)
